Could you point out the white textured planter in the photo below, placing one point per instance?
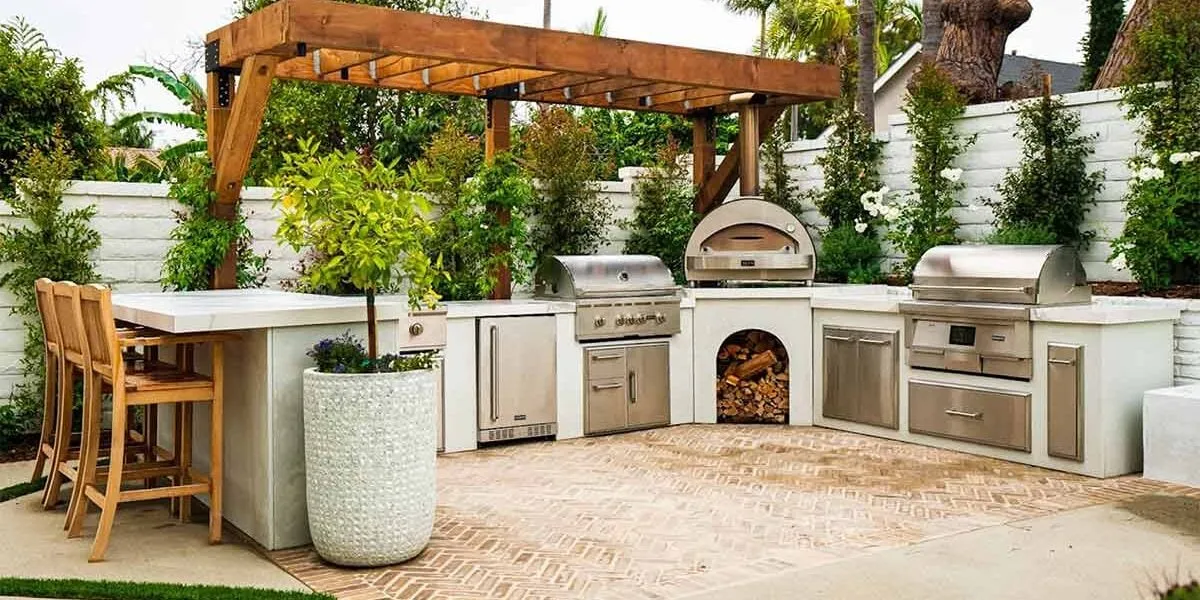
(370, 447)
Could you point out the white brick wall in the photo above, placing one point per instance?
(996, 150)
(1187, 345)
(135, 221)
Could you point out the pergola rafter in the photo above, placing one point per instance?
(331, 42)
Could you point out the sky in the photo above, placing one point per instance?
(109, 35)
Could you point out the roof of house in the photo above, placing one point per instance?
(1065, 77)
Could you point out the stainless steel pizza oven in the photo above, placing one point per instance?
(750, 240)
(971, 305)
(622, 296)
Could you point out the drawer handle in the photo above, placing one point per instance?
(836, 338)
(607, 356)
(416, 329)
(998, 357)
(606, 386)
(875, 342)
(1060, 361)
(928, 351)
(967, 415)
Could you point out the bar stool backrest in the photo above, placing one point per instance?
(45, 303)
(70, 323)
(99, 327)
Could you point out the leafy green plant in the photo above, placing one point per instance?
(359, 216)
(850, 165)
(847, 255)
(1023, 235)
(470, 238)
(42, 97)
(1161, 240)
(46, 240)
(569, 215)
(663, 219)
(124, 590)
(1053, 166)
(933, 106)
(1104, 21)
(345, 355)
(201, 239)
(191, 94)
(778, 185)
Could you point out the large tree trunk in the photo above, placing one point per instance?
(972, 46)
(931, 33)
(1121, 55)
(866, 61)
(546, 14)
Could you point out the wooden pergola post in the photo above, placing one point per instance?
(498, 139)
(704, 153)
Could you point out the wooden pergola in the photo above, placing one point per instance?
(332, 42)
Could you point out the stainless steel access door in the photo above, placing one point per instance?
(517, 383)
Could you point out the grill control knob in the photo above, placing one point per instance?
(641, 319)
(660, 318)
(620, 320)
(599, 322)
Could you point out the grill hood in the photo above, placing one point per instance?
(1031, 275)
(611, 276)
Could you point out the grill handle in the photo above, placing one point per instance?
(1024, 289)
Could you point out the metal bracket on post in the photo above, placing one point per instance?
(224, 88)
(212, 56)
(506, 92)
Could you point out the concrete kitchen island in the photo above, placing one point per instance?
(264, 494)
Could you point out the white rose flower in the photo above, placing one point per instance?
(883, 191)
(1194, 155)
(1179, 157)
(860, 227)
(952, 175)
(1148, 174)
(873, 209)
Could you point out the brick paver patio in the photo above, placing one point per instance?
(668, 512)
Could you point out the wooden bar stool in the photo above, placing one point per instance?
(65, 342)
(181, 387)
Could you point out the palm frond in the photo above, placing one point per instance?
(172, 82)
(23, 36)
(115, 90)
(179, 151)
(186, 120)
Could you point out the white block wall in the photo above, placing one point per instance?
(1187, 345)
(135, 222)
(996, 150)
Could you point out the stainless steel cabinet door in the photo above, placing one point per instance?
(878, 391)
(649, 385)
(517, 383)
(606, 404)
(1064, 401)
(839, 400)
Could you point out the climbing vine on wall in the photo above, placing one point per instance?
(201, 239)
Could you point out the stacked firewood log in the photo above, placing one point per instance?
(752, 379)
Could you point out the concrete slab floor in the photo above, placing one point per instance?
(15, 472)
(1123, 550)
(147, 545)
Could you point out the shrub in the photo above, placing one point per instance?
(1023, 235)
(1051, 191)
(849, 256)
(569, 216)
(932, 106)
(42, 99)
(1161, 239)
(47, 241)
(778, 185)
(345, 354)
(201, 239)
(663, 219)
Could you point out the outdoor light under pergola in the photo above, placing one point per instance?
(332, 42)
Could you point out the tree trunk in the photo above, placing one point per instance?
(546, 14)
(372, 334)
(931, 34)
(972, 46)
(866, 61)
(1121, 55)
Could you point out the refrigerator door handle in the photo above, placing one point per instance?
(493, 382)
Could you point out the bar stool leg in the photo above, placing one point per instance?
(49, 421)
(62, 438)
(150, 439)
(89, 451)
(185, 460)
(116, 465)
(216, 444)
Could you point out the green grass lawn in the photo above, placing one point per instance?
(21, 489)
(120, 590)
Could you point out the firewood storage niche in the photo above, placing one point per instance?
(752, 378)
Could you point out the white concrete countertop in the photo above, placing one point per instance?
(861, 298)
(517, 307)
(229, 310)
(1105, 310)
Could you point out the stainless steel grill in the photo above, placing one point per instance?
(971, 305)
(750, 240)
(622, 296)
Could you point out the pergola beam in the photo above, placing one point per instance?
(718, 186)
(282, 26)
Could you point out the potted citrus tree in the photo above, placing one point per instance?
(369, 433)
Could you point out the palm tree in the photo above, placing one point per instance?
(868, 38)
(823, 29)
(546, 14)
(599, 25)
(190, 93)
(759, 7)
(931, 35)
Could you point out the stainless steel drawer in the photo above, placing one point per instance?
(604, 363)
(973, 414)
(607, 405)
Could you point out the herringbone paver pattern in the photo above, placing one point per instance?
(659, 514)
